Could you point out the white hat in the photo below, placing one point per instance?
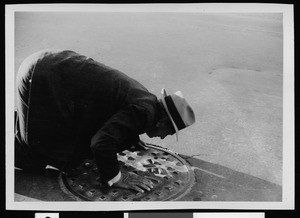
(179, 111)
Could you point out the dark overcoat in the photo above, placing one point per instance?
(78, 104)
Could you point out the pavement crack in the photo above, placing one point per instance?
(191, 156)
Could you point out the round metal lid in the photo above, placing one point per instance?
(172, 177)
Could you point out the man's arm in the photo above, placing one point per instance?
(110, 139)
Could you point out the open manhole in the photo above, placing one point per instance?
(172, 177)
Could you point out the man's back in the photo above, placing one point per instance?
(72, 96)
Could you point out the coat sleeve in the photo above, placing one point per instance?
(111, 138)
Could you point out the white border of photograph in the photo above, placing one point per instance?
(288, 106)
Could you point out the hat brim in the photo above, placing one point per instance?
(163, 95)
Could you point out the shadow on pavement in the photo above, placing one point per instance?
(218, 183)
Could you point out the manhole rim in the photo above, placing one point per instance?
(191, 180)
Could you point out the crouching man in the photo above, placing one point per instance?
(70, 107)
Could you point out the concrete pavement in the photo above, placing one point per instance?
(212, 183)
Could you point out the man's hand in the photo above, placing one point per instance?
(130, 180)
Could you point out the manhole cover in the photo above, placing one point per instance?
(172, 177)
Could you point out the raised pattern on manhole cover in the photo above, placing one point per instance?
(171, 175)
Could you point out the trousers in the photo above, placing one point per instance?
(25, 157)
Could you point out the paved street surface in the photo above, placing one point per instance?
(212, 183)
(228, 66)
